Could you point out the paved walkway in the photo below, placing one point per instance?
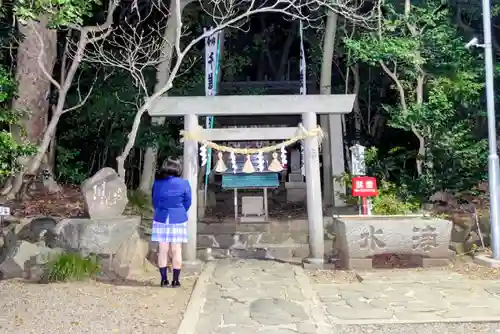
(235, 296)
(408, 297)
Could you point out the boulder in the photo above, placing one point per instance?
(36, 266)
(15, 259)
(130, 259)
(8, 238)
(37, 229)
(105, 194)
(97, 236)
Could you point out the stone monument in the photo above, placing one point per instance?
(105, 194)
(358, 239)
(295, 187)
(106, 229)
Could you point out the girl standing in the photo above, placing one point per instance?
(171, 201)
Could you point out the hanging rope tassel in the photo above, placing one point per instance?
(220, 166)
(248, 167)
(275, 165)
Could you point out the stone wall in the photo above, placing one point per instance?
(278, 239)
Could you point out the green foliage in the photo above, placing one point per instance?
(10, 149)
(139, 202)
(346, 181)
(70, 169)
(7, 86)
(60, 12)
(458, 166)
(391, 200)
(72, 267)
(391, 165)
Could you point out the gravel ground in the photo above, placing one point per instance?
(437, 328)
(91, 307)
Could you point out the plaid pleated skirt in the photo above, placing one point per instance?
(165, 232)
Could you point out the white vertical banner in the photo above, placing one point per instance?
(303, 84)
(358, 160)
(211, 63)
(211, 55)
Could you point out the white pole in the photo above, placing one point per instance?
(493, 164)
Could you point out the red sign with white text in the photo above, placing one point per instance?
(364, 186)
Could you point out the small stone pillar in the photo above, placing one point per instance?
(190, 173)
(314, 199)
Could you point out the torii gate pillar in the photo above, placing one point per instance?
(190, 173)
(313, 186)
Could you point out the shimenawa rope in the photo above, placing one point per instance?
(302, 134)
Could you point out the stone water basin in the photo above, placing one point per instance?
(359, 238)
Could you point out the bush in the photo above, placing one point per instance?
(391, 199)
(72, 267)
(390, 202)
(10, 149)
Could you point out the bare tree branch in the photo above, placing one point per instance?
(84, 100)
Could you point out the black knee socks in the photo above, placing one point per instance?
(163, 273)
(164, 277)
(175, 278)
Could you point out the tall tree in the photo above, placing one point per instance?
(36, 57)
(162, 76)
(327, 120)
(435, 78)
(48, 16)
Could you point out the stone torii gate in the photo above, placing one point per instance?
(309, 106)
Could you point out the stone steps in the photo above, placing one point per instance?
(285, 240)
(282, 240)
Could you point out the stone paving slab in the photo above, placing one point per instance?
(252, 296)
(411, 297)
(258, 296)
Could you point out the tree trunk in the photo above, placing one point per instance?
(422, 150)
(162, 75)
(36, 56)
(419, 92)
(33, 85)
(358, 116)
(280, 75)
(327, 120)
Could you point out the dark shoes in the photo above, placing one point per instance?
(165, 284)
